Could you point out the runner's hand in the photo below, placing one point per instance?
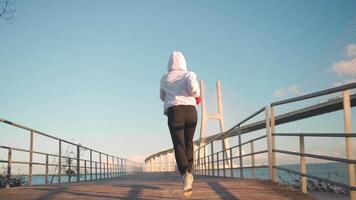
(198, 100)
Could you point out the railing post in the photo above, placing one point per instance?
(125, 169)
(91, 165)
(85, 170)
(253, 160)
(217, 159)
(112, 167)
(117, 167)
(96, 170)
(122, 167)
(204, 160)
(303, 170)
(46, 171)
(31, 158)
(168, 162)
(212, 158)
(348, 141)
(78, 163)
(107, 166)
(59, 160)
(231, 165)
(273, 143)
(209, 165)
(201, 166)
(100, 165)
(104, 171)
(224, 157)
(9, 161)
(197, 165)
(240, 153)
(269, 145)
(70, 169)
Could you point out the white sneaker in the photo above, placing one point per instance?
(190, 180)
(185, 181)
(187, 184)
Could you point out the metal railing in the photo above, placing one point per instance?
(106, 166)
(160, 167)
(216, 163)
(213, 162)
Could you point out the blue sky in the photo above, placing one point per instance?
(90, 71)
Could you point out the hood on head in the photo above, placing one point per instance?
(177, 62)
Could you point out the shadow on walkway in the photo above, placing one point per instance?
(133, 193)
(136, 190)
(221, 191)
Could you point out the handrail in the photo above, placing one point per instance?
(299, 98)
(251, 116)
(317, 134)
(47, 135)
(316, 94)
(113, 167)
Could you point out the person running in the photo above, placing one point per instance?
(180, 93)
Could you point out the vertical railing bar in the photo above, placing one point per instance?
(78, 163)
(115, 167)
(253, 159)
(96, 170)
(46, 170)
(122, 167)
(9, 162)
(100, 165)
(231, 165)
(303, 181)
(212, 158)
(269, 145)
(168, 163)
(348, 142)
(85, 170)
(59, 160)
(217, 160)
(224, 156)
(107, 166)
(197, 165)
(204, 160)
(209, 165)
(91, 164)
(104, 171)
(118, 167)
(31, 159)
(70, 169)
(240, 153)
(194, 163)
(112, 167)
(125, 167)
(273, 143)
(201, 166)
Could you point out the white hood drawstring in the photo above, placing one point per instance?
(178, 86)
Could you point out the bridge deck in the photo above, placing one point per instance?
(156, 186)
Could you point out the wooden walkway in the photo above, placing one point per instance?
(156, 186)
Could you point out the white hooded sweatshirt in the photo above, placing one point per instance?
(178, 86)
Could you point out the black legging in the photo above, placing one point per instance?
(182, 121)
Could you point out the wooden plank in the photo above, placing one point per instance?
(157, 186)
